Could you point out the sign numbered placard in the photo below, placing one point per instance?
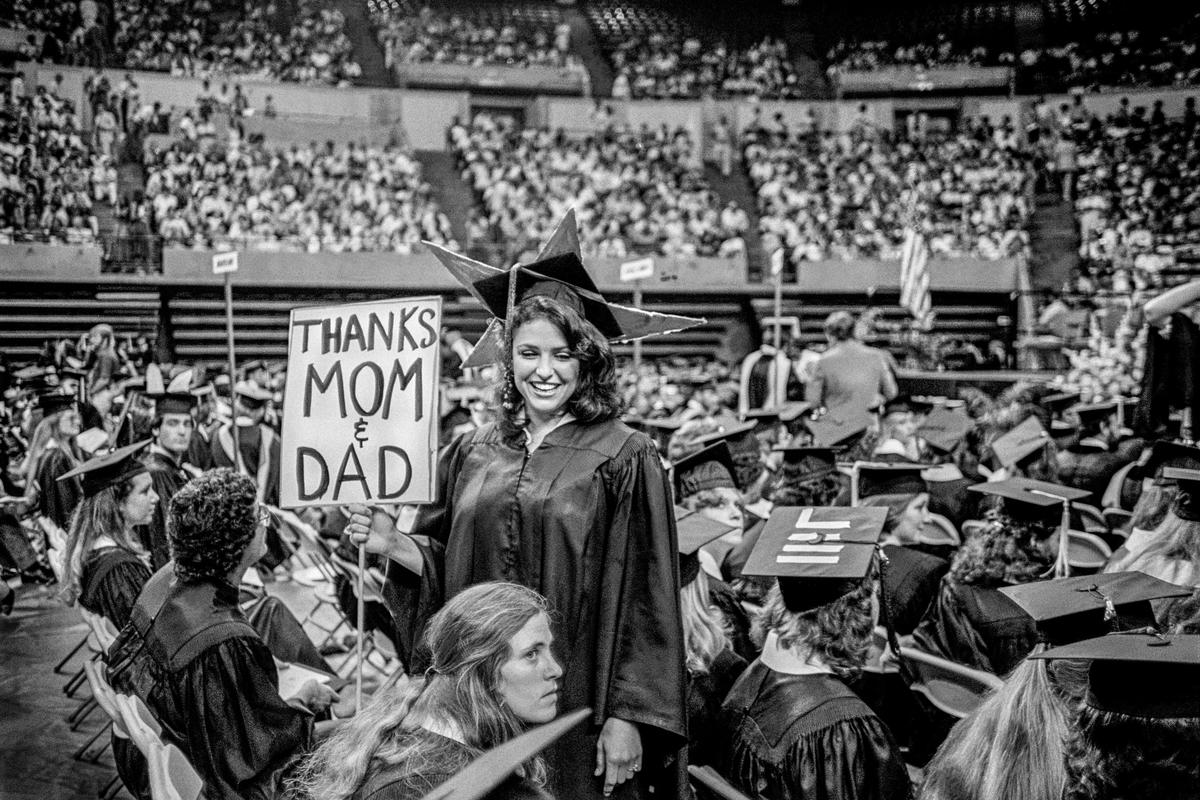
(637, 270)
(360, 410)
(224, 262)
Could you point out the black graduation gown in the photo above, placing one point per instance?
(1088, 469)
(110, 580)
(911, 581)
(207, 677)
(1169, 379)
(806, 737)
(705, 693)
(586, 520)
(977, 627)
(57, 499)
(167, 478)
(722, 595)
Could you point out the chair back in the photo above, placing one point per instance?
(172, 776)
(372, 579)
(1112, 494)
(102, 629)
(106, 698)
(940, 531)
(1118, 520)
(1093, 521)
(1087, 551)
(951, 688)
(712, 780)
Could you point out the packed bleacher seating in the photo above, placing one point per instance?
(517, 33)
(72, 32)
(633, 190)
(235, 37)
(50, 173)
(823, 195)
(655, 53)
(307, 198)
(1126, 58)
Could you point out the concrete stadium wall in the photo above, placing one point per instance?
(30, 261)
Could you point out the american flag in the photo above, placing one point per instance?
(914, 276)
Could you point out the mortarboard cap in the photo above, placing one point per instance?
(1024, 440)
(906, 404)
(1139, 674)
(744, 448)
(251, 394)
(764, 419)
(834, 428)
(1027, 498)
(110, 469)
(1187, 502)
(1092, 413)
(557, 272)
(172, 397)
(694, 530)
(727, 433)
(1069, 610)
(1163, 454)
(944, 428)
(1059, 402)
(709, 468)
(494, 767)
(659, 430)
(817, 554)
(898, 478)
(254, 366)
(793, 410)
(54, 402)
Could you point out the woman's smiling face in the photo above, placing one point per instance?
(545, 371)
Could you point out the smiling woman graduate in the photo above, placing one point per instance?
(562, 497)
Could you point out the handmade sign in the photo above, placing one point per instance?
(360, 410)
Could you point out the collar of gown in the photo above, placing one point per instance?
(563, 420)
(787, 660)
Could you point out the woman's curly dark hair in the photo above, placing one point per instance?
(211, 520)
(789, 490)
(838, 633)
(1114, 756)
(597, 397)
(1005, 551)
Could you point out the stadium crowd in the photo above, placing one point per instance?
(633, 189)
(824, 195)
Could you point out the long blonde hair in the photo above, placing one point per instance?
(705, 630)
(468, 640)
(1176, 539)
(1013, 746)
(46, 435)
(95, 516)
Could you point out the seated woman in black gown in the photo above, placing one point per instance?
(790, 727)
(104, 569)
(971, 622)
(492, 674)
(711, 661)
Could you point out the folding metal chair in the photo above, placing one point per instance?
(1087, 551)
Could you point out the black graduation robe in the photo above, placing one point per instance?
(190, 655)
(1089, 469)
(57, 499)
(976, 626)
(911, 581)
(806, 737)
(586, 520)
(705, 694)
(722, 595)
(110, 580)
(167, 477)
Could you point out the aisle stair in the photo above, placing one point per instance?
(366, 48)
(1053, 242)
(440, 171)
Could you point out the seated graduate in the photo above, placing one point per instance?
(971, 622)
(492, 674)
(911, 577)
(1091, 460)
(790, 727)
(1156, 495)
(190, 654)
(1172, 551)
(1136, 730)
(899, 419)
(1012, 747)
(711, 661)
(104, 567)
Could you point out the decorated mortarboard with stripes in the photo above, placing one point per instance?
(945, 427)
(107, 470)
(833, 428)
(557, 272)
(818, 554)
(1068, 610)
(1021, 442)
(488, 771)
(694, 531)
(1144, 675)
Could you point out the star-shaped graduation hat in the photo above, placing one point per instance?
(170, 397)
(558, 272)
